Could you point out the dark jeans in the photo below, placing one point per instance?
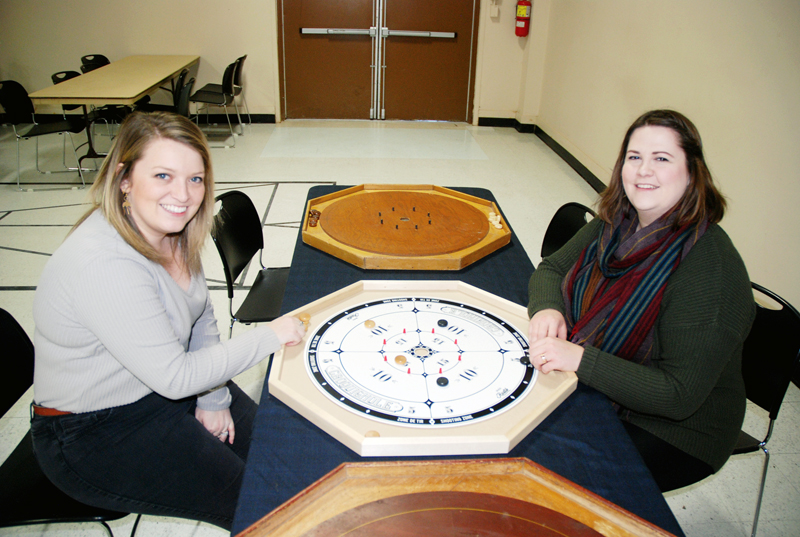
(151, 457)
(671, 467)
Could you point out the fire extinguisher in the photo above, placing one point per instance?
(523, 17)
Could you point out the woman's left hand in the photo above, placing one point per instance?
(555, 354)
(219, 423)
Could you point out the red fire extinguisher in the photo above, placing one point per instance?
(523, 17)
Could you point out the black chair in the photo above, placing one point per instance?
(182, 106)
(238, 234)
(218, 95)
(569, 218)
(770, 358)
(93, 61)
(27, 497)
(238, 89)
(58, 78)
(19, 111)
(144, 104)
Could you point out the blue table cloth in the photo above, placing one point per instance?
(582, 440)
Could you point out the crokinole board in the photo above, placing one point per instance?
(417, 368)
(498, 497)
(404, 227)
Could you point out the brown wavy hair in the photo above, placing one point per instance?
(702, 200)
(135, 134)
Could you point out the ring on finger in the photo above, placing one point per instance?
(544, 359)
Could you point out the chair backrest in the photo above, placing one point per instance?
(62, 76)
(98, 60)
(18, 365)
(179, 83)
(92, 62)
(182, 106)
(16, 103)
(227, 79)
(237, 233)
(567, 221)
(237, 77)
(771, 353)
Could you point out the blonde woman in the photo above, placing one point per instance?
(134, 409)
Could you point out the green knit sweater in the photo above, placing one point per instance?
(692, 395)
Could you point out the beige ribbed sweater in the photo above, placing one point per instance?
(113, 327)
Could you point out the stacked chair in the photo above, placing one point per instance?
(209, 96)
(19, 112)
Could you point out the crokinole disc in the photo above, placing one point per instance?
(481, 357)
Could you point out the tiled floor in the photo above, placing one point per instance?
(280, 163)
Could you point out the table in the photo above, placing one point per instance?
(582, 440)
(122, 82)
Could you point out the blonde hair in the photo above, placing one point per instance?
(136, 133)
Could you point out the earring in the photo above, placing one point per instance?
(126, 204)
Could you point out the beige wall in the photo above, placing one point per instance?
(586, 70)
(41, 37)
(732, 66)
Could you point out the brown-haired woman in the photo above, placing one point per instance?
(134, 409)
(650, 304)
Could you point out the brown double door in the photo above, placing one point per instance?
(378, 59)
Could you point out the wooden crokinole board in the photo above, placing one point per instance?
(404, 227)
(499, 497)
(461, 387)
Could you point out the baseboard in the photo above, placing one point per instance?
(213, 118)
(220, 118)
(574, 163)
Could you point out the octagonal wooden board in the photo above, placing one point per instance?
(404, 227)
(294, 380)
(498, 497)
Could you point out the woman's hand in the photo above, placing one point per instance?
(290, 330)
(547, 323)
(219, 423)
(555, 354)
(549, 348)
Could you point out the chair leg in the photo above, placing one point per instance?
(230, 125)
(63, 158)
(247, 109)
(136, 524)
(239, 117)
(18, 186)
(761, 490)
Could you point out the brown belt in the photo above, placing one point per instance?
(44, 411)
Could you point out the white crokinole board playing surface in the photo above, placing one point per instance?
(417, 368)
(420, 362)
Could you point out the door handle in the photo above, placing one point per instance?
(336, 31)
(410, 33)
(385, 32)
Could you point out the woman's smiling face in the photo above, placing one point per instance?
(165, 189)
(655, 174)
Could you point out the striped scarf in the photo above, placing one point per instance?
(614, 290)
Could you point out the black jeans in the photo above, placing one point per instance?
(671, 467)
(150, 457)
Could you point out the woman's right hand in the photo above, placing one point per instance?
(290, 330)
(547, 323)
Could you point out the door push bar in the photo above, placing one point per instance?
(385, 32)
